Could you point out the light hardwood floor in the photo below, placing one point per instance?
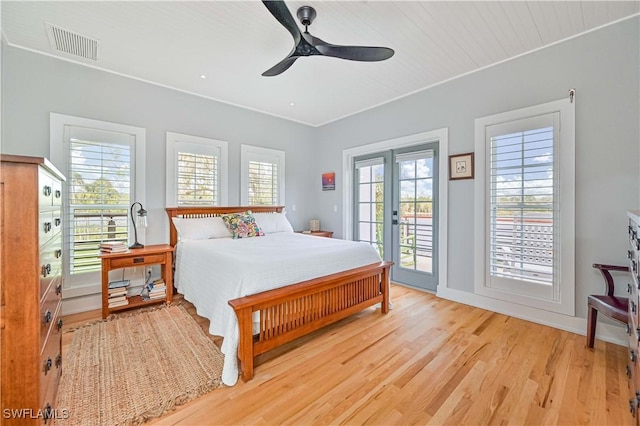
(429, 361)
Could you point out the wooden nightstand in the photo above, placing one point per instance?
(328, 234)
(161, 254)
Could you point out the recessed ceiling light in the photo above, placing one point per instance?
(203, 76)
(291, 104)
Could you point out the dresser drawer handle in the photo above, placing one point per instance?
(138, 260)
(47, 191)
(634, 266)
(47, 365)
(59, 361)
(59, 289)
(47, 413)
(633, 307)
(57, 221)
(628, 371)
(47, 317)
(58, 253)
(632, 356)
(47, 227)
(60, 324)
(58, 193)
(45, 269)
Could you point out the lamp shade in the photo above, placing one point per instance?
(140, 219)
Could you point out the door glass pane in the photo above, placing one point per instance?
(415, 236)
(365, 212)
(377, 173)
(423, 189)
(370, 183)
(365, 174)
(424, 168)
(365, 231)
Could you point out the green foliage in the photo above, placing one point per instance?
(100, 191)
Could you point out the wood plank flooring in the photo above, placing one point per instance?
(429, 361)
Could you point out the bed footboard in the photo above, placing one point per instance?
(293, 311)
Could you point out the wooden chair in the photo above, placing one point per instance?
(609, 305)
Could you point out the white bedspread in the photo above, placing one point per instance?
(211, 272)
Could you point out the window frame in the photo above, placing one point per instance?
(59, 124)
(561, 297)
(215, 147)
(254, 153)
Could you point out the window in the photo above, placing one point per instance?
(196, 171)
(527, 245)
(99, 195)
(104, 166)
(262, 179)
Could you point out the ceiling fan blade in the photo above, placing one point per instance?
(280, 67)
(356, 53)
(281, 12)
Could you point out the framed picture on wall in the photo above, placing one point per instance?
(329, 181)
(461, 166)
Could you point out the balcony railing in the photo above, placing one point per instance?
(89, 229)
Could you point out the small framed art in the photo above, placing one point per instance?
(329, 181)
(461, 166)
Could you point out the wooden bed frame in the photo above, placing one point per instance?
(289, 312)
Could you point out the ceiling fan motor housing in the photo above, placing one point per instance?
(306, 15)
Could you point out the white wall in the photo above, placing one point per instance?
(603, 67)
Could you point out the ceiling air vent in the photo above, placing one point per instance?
(72, 43)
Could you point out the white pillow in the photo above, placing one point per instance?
(270, 223)
(201, 228)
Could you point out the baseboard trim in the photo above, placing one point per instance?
(76, 305)
(611, 333)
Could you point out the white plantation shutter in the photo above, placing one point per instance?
(262, 176)
(197, 179)
(263, 183)
(523, 201)
(196, 171)
(99, 196)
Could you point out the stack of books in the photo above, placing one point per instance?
(113, 247)
(157, 289)
(118, 293)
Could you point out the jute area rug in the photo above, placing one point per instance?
(129, 369)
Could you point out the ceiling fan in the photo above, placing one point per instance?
(307, 45)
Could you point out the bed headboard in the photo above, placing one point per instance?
(198, 212)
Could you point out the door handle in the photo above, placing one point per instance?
(394, 222)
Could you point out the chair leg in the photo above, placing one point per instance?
(592, 318)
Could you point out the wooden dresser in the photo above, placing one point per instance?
(633, 328)
(30, 288)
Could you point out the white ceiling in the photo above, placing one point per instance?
(232, 42)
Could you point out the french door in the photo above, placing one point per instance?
(395, 210)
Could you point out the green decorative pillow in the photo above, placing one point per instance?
(242, 225)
